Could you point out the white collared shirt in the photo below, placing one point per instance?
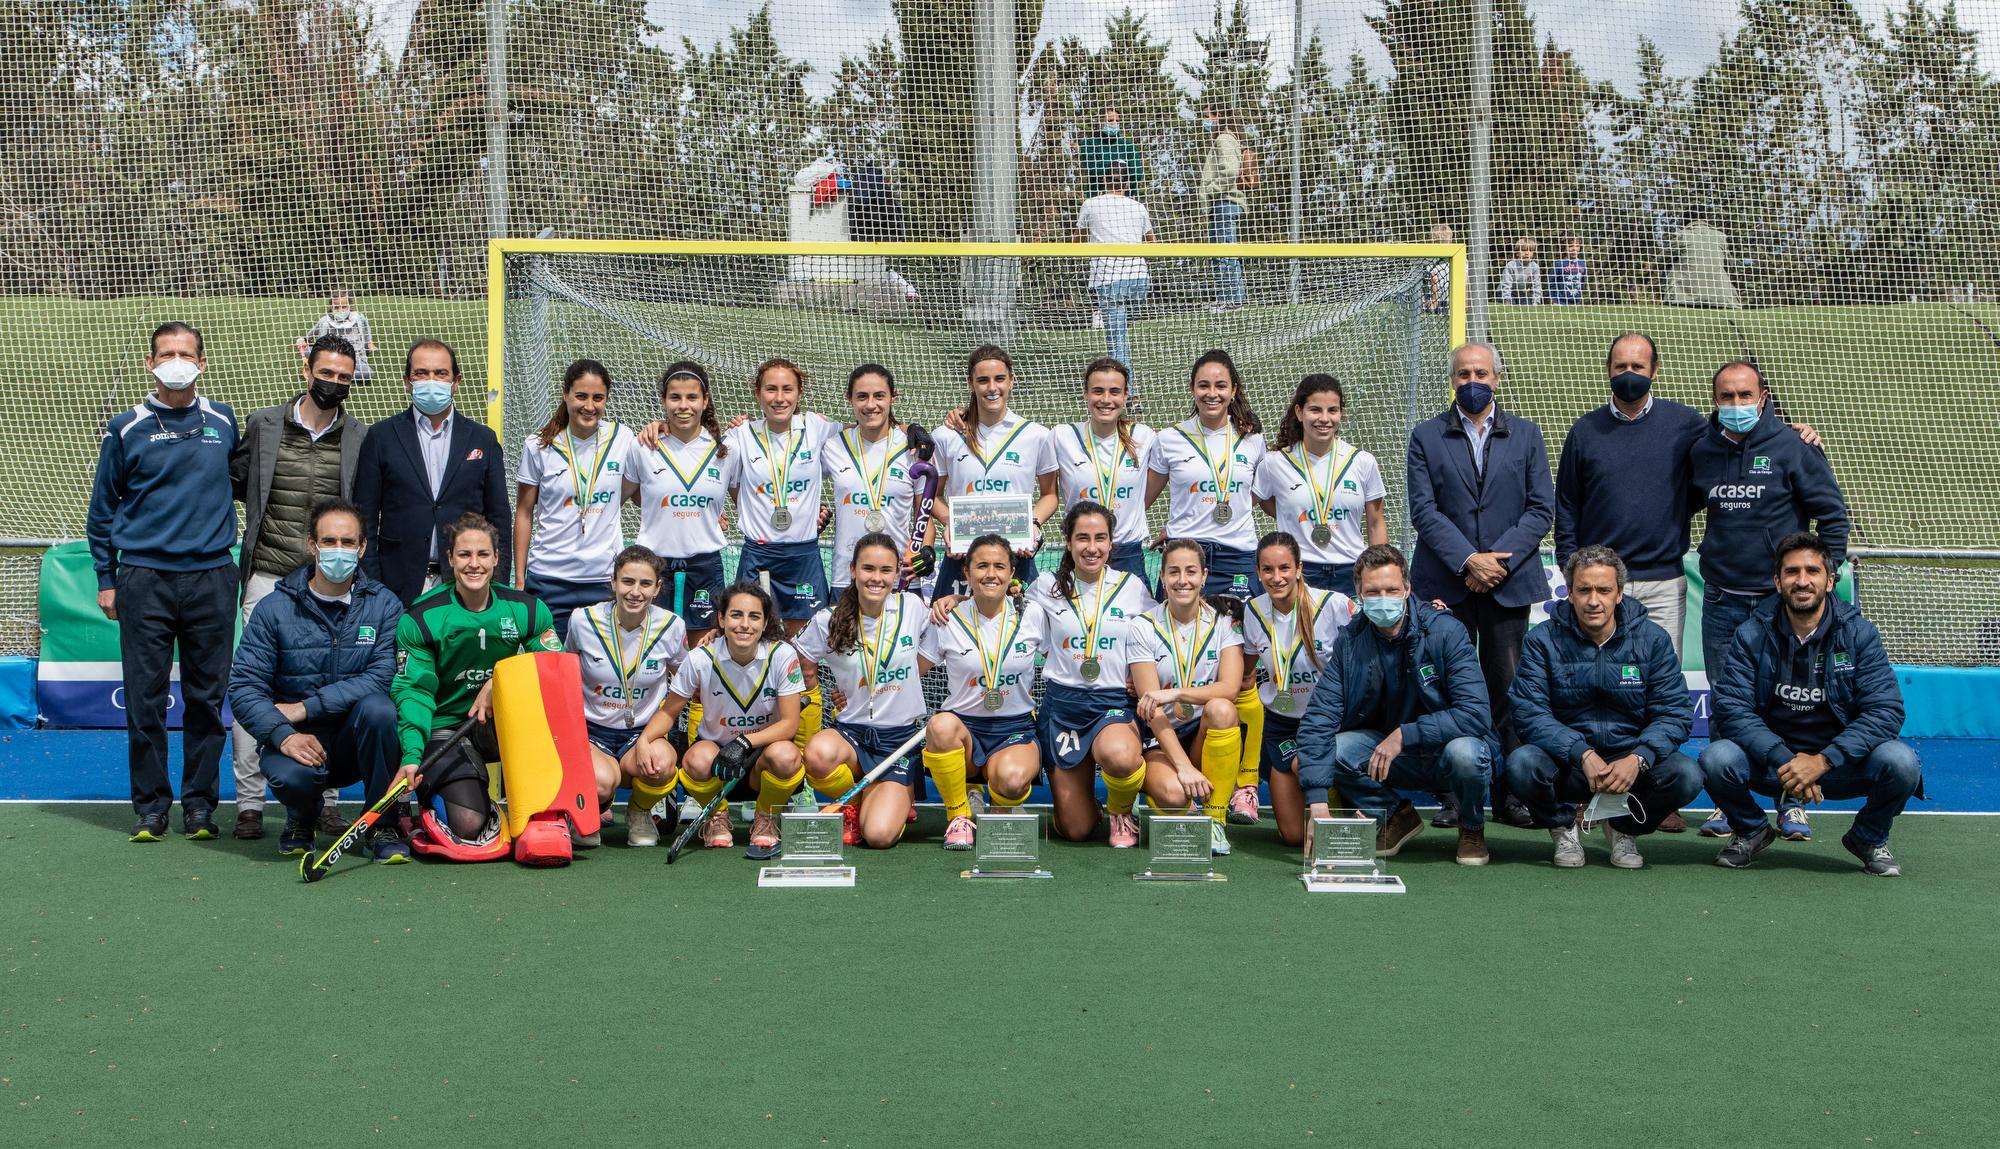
(1622, 417)
(1077, 477)
(298, 416)
(436, 446)
(1477, 430)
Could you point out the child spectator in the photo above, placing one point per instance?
(1521, 281)
(1566, 278)
(341, 319)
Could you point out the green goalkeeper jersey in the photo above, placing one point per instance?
(445, 653)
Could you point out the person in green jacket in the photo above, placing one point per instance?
(446, 648)
(1109, 146)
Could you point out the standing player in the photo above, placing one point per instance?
(1086, 717)
(629, 648)
(749, 685)
(573, 480)
(1291, 630)
(1103, 459)
(988, 645)
(869, 468)
(999, 452)
(775, 474)
(681, 496)
(1320, 490)
(1186, 664)
(871, 638)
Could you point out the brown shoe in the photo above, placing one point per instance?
(330, 822)
(1400, 827)
(1673, 824)
(1472, 847)
(249, 825)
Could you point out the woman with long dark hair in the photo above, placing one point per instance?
(997, 452)
(575, 475)
(1290, 631)
(682, 495)
(1325, 493)
(869, 467)
(1102, 459)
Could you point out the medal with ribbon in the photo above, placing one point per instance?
(612, 638)
(1106, 491)
(990, 662)
(781, 473)
(873, 486)
(1185, 663)
(1322, 497)
(1222, 475)
(1282, 655)
(876, 655)
(584, 480)
(1091, 667)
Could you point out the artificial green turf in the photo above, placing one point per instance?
(201, 994)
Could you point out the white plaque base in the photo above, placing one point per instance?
(805, 877)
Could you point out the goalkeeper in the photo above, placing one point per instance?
(446, 647)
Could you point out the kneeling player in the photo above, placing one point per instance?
(871, 638)
(988, 645)
(1185, 662)
(446, 647)
(629, 648)
(749, 686)
(1291, 629)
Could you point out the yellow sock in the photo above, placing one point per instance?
(947, 769)
(694, 719)
(809, 716)
(1121, 793)
(1221, 750)
(645, 796)
(773, 792)
(1250, 712)
(834, 784)
(703, 792)
(1001, 801)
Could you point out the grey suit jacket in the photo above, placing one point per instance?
(256, 459)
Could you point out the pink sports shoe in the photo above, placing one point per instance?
(1243, 806)
(1124, 831)
(958, 834)
(716, 834)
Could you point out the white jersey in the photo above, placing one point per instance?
(758, 459)
(1196, 463)
(868, 477)
(681, 495)
(1265, 629)
(579, 488)
(1011, 459)
(1168, 645)
(738, 698)
(1308, 490)
(1106, 610)
(1015, 640)
(880, 676)
(1083, 463)
(625, 672)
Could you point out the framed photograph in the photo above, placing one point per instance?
(1012, 517)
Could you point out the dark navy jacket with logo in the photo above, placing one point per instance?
(1852, 679)
(1757, 492)
(161, 499)
(296, 648)
(1444, 693)
(1625, 697)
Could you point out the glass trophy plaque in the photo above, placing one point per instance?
(812, 854)
(1182, 849)
(1340, 857)
(1007, 846)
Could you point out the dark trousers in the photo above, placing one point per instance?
(1551, 789)
(1721, 613)
(1889, 777)
(1497, 631)
(157, 611)
(360, 747)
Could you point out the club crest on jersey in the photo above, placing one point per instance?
(1427, 674)
(1628, 675)
(1760, 465)
(549, 638)
(402, 661)
(364, 636)
(509, 630)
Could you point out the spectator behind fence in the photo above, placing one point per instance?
(1566, 277)
(1109, 146)
(1437, 284)
(1222, 201)
(1481, 500)
(423, 468)
(311, 682)
(343, 322)
(161, 524)
(292, 457)
(1120, 283)
(1807, 705)
(1521, 279)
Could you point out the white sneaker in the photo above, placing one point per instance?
(1569, 846)
(1218, 840)
(1624, 849)
(975, 797)
(639, 827)
(690, 809)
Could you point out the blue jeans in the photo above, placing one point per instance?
(1222, 219)
(360, 747)
(1551, 789)
(1886, 778)
(1331, 576)
(1462, 768)
(1130, 558)
(1115, 300)
(1721, 614)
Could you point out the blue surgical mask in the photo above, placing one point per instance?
(1738, 419)
(431, 396)
(1475, 397)
(1383, 609)
(337, 564)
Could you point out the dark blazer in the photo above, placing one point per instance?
(397, 510)
(1459, 512)
(255, 462)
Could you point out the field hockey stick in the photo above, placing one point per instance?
(880, 769)
(688, 832)
(924, 472)
(312, 869)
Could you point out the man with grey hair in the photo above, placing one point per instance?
(1603, 710)
(1481, 499)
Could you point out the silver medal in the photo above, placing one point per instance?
(995, 699)
(1186, 710)
(1284, 703)
(876, 521)
(1224, 512)
(1322, 534)
(781, 518)
(1090, 669)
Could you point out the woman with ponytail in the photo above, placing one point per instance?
(1290, 631)
(869, 468)
(681, 499)
(986, 448)
(1325, 493)
(1103, 459)
(871, 639)
(575, 475)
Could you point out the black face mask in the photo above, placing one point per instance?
(1630, 386)
(329, 396)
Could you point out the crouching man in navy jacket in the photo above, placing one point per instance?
(1603, 709)
(311, 681)
(1400, 705)
(1806, 704)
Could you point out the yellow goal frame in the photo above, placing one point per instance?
(497, 251)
